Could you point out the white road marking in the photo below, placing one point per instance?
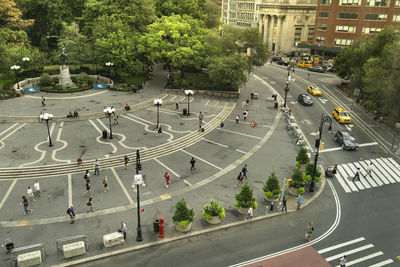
(58, 139)
(382, 263)
(349, 126)
(8, 193)
(340, 148)
(208, 101)
(259, 125)
(315, 134)
(337, 256)
(165, 166)
(209, 163)
(122, 186)
(101, 142)
(247, 135)
(306, 122)
(215, 143)
(186, 182)
(370, 256)
(69, 97)
(5, 137)
(293, 102)
(8, 129)
(240, 151)
(69, 190)
(341, 245)
(323, 100)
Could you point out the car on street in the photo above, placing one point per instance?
(316, 69)
(305, 100)
(283, 62)
(341, 115)
(314, 90)
(276, 58)
(346, 140)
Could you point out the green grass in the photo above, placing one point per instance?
(135, 80)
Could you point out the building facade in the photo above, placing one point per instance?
(240, 13)
(339, 22)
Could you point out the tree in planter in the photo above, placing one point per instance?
(298, 180)
(302, 157)
(245, 198)
(213, 209)
(183, 215)
(272, 187)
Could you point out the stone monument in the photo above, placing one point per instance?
(65, 77)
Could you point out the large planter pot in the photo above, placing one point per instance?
(293, 191)
(185, 229)
(242, 210)
(214, 220)
(271, 199)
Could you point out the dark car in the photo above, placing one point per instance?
(276, 58)
(305, 100)
(346, 140)
(283, 62)
(316, 69)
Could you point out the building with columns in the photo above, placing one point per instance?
(285, 23)
(240, 13)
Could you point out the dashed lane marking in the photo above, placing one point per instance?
(22, 223)
(165, 166)
(186, 182)
(165, 196)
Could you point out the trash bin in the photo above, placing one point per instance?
(276, 105)
(156, 225)
(104, 134)
(184, 112)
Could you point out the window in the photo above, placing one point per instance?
(297, 34)
(371, 30)
(325, 2)
(323, 14)
(345, 29)
(348, 15)
(320, 39)
(375, 16)
(322, 27)
(397, 3)
(350, 2)
(342, 42)
(396, 17)
(310, 34)
(377, 3)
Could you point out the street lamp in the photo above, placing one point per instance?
(47, 117)
(188, 93)
(287, 86)
(324, 120)
(158, 103)
(16, 68)
(109, 111)
(109, 65)
(138, 180)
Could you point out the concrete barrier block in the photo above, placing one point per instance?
(74, 249)
(292, 119)
(293, 126)
(29, 259)
(255, 96)
(113, 239)
(271, 99)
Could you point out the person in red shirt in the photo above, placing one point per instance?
(167, 179)
(79, 160)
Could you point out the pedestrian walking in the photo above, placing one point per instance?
(43, 101)
(284, 204)
(177, 106)
(79, 160)
(200, 118)
(222, 125)
(96, 167)
(357, 174)
(244, 171)
(71, 213)
(116, 120)
(167, 179)
(105, 183)
(240, 179)
(90, 204)
(88, 189)
(249, 214)
(36, 186)
(31, 196)
(87, 176)
(299, 201)
(192, 162)
(245, 113)
(247, 101)
(243, 104)
(309, 230)
(126, 160)
(25, 204)
(342, 261)
(369, 169)
(237, 119)
(123, 229)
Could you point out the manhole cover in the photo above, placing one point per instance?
(181, 123)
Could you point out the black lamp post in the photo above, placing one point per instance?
(109, 65)
(324, 119)
(47, 117)
(158, 103)
(287, 86)
(188, 93)
(138, 180)
(109, 111)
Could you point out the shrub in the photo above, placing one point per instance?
(302, 156)
(310, 170)
(84, 79)
(213, 209)
(272, 186)
(183, 215)
(45, 79)
(297, 179)
(306, 177)
(300, 190)
(245, 198)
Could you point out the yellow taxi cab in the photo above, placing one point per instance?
(314, 90)
(341, 115)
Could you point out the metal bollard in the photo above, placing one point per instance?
(271, 207)
(266, 209)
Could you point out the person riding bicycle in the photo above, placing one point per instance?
(309, 230)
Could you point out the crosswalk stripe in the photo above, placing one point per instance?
(394, 163)
(370, 256)
(373, 181)
(382, 171)
(388, 170)
(341, 245)
(351, 175)
(362, 180)
(345, 177)
(342, 182)
(382, 263)
(392, 167)
(337, 256)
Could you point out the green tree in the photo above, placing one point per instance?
(74, 43)
(193, 8)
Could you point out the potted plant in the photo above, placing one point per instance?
(183, 217)
(296, 183)
(213, 212)
(245, 199)
(272, 188)
(302, 159)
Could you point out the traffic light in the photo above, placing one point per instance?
(321, 145)
(317, 143)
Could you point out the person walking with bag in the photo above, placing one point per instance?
(105, 183)
(90, 205)
(167, 179)
(192, 162)
(309, 230)
(240, 179)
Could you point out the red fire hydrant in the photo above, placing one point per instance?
(161, 234)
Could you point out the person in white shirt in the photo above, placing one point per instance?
(249, 214)
(36, 186)
(342, 261)
(30, 193)
(369, 169)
